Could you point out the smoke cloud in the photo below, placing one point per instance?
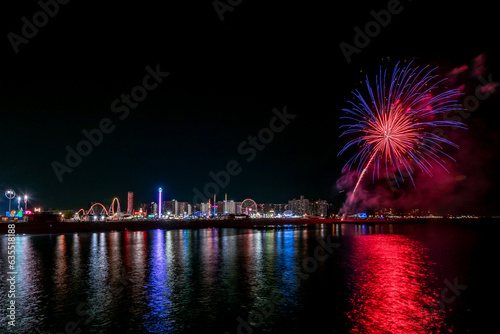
(463, 186)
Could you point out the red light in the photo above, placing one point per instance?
(390, 290)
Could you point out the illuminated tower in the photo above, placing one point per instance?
(159, 202)
(130, 203)
(225, 204)
(215, 206)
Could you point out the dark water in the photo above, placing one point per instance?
(341, 278)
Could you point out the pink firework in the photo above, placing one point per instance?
(395, 125)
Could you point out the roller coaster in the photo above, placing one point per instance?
(98, 212)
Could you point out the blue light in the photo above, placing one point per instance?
(159, 201)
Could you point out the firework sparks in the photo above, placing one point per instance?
(394, 124)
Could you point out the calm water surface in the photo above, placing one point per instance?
(340, 278)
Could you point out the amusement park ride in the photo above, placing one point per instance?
(20, 212)
(99, 212)
(249, 207)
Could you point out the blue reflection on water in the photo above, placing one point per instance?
(158, 320)
(285, 262)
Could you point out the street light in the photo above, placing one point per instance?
(25, 202)
(18, 203)
(10, 194)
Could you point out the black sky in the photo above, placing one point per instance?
(225, 79)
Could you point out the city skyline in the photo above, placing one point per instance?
(296, 207)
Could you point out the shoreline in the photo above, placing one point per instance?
(49, 227)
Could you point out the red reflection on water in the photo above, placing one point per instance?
(210, 253)
(60, 273)
(390, 285)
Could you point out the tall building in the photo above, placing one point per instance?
(319, 208)
(220, 207)
(130, 203)
(231, 207)
(179, 209)
(225, 204)
(153, 208)
(182, 208)
(330, 212)
(238, 208)
(277, 208)
(205, 208)
(169, 207)
(299, 207)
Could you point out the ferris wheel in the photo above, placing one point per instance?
(248, 206)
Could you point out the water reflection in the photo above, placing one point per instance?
(61, 275)
(158, 319)
(99, 296)
(390, 286)
(29, 290)
(76, 269)
(204, 280)
(288, 277)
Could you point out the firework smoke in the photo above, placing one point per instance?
(396, 126)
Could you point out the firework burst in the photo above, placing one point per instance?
(395, 124)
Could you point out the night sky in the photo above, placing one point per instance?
(225, 78)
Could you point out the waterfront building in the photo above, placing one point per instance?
(299, 207)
